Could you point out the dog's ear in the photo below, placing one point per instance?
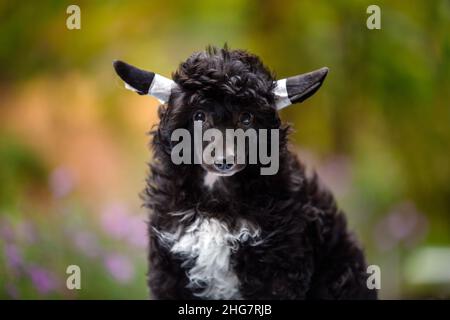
(298, 88)
(144, 82)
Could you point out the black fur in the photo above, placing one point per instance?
(138, 79)
(308, 252)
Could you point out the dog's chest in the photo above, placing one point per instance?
(206, 247)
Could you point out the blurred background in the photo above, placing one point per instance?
(73, 143)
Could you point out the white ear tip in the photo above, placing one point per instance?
(161, 88)
(281, 95)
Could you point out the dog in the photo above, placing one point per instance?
(223, 230)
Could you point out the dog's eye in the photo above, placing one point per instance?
(199, 116)
(245, 118)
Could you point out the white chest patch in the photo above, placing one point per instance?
(206, 245)
(210, 179)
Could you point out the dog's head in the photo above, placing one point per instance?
(221, 89)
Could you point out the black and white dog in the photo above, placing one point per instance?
(222, 230)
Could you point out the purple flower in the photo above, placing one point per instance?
(61, 182)
(42, 279)
(13, 256)
(402, 224)
(118, 222)
(137, 233)
(12, 291)
(87, 243)
(115, 220)
(119, 267)
(27, 232)
(6, 229)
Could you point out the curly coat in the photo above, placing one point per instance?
(305, 252)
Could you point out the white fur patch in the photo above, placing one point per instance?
(281, 95)
(210, 179)
(161, 88)
(207, 245)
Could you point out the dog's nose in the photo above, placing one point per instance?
(222, 165)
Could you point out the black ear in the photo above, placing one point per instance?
(298, 88)
(137, 79)
(302, 87)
